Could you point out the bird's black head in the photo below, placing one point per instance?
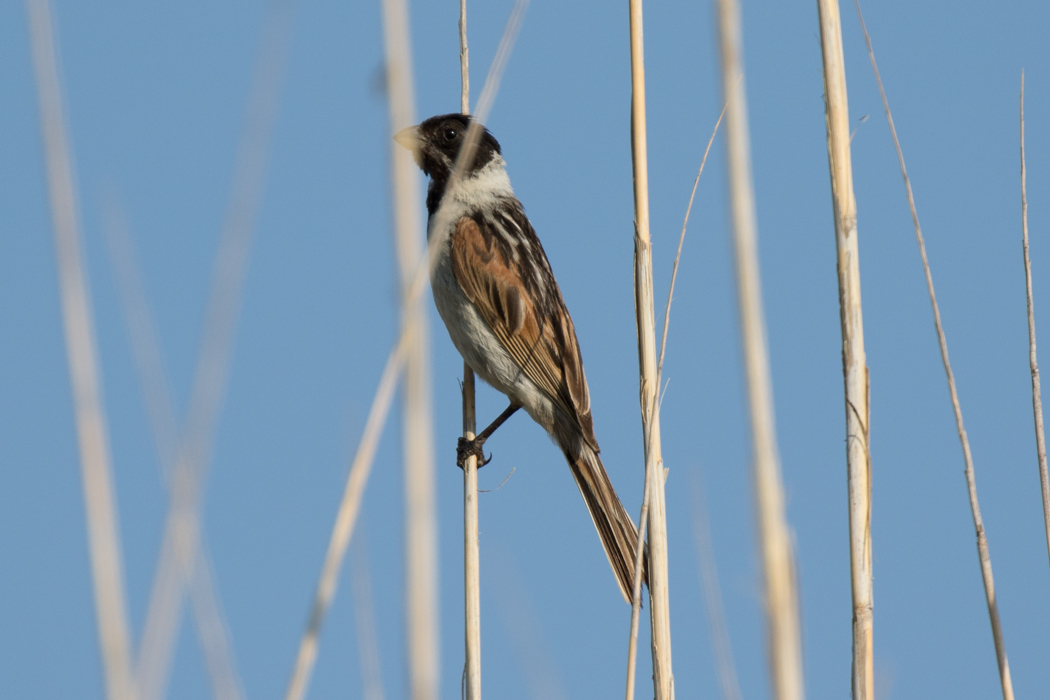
(436, 142)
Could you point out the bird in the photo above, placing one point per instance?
(494, 289)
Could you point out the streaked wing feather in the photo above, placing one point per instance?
(539, 336)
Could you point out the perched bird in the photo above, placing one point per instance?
(495, 291)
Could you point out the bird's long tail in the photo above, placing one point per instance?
(615, 527)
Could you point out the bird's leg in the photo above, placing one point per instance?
(465, 448)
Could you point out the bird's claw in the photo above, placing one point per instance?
(471, 448)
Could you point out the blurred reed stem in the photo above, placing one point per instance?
(421, 561)
(781, 595)
(99, 497)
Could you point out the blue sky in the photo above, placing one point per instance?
(155, 102)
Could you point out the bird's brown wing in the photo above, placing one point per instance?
(538, 333)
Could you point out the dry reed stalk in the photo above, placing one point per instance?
(636, 601)
(421, 578)
(99, 498)
(681, 242)
(178, 551)
(781, 597)
(211, 626)
(1037, 394)
(471, 553)
(659, 596)
(464, 60)
(854, 363)
(345, 520)
(971, 484)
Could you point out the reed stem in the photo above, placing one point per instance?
(854, 363)
(78, 323)
(471, 555)
(421, 561)
(659, 597)
(781, 596)
(1037, 394)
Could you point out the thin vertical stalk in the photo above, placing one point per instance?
(471, 555)
(854, 364)
(421, 579)
(971, 483)
(1037, 394)
(464, 60)
(781, 596)
(99, 497)
(659, 608)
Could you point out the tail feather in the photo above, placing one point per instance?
(615, 527)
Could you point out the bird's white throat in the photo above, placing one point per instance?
(484, 187)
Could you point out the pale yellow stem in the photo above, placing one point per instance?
(854, 364)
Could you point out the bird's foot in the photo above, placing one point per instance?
(471, 448)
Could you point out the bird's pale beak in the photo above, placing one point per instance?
(409, 138)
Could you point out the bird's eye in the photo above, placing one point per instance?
(450, 134)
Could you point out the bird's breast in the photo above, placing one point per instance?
(479, 346)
